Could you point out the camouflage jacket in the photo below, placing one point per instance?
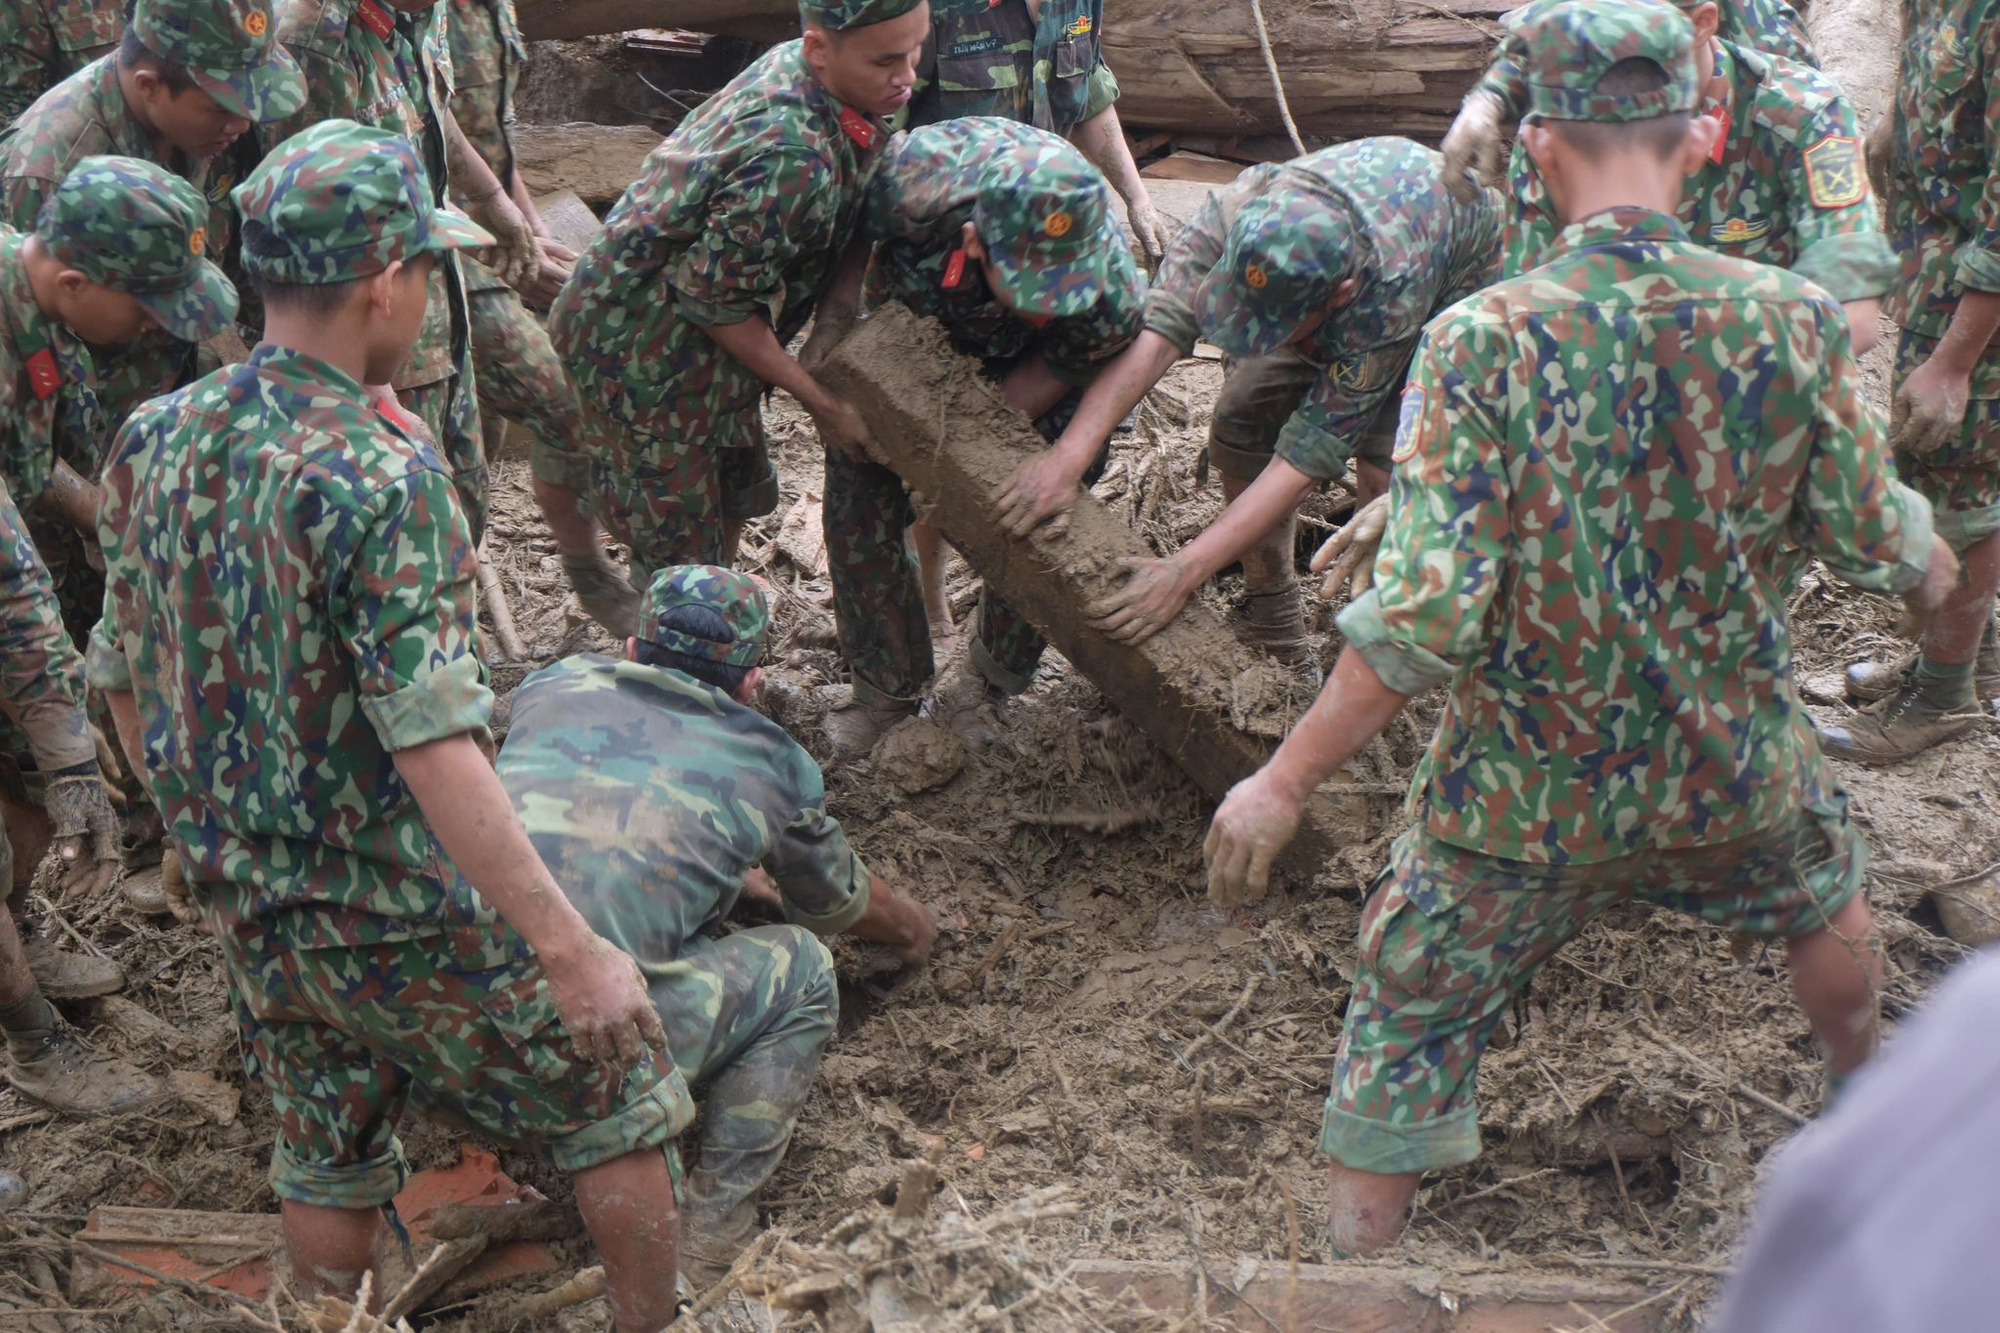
(1786, 185)
(1582, 544)
(740, 214)
(649, 796)
(486, 56)
(289, 594)
(81, 117)
(918, 204)
(41, 673)
(1417, 250)
(368, 63)
(993, 58)
(1944, 175)
(1772, 27)
(48, 393)
(43, 42)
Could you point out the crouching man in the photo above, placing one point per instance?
(652, 790)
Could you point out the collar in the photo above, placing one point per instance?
(323, 377)
(865, 132)
(1719, 100)
(35, 334)
(1620, 224)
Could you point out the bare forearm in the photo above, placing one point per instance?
(1864, 324)
(124, 707)
(1973, 325)
(73, 500)
(752, 342)
(471, 177)
(1102, 140)
(891, 918)
(468, 810)
(1351, 710)
(1114, 393)
(1267, 502)
(1031, 388)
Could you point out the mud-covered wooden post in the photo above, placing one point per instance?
(1218, 706)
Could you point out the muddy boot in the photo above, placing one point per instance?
(1933, 704)
(853, 726)
(1274, 620)
(1875, 679)
(52, 1066)
(70, 976)
(606, 595)
(967, 705)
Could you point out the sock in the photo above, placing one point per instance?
(1943, 686)
(28, 1023)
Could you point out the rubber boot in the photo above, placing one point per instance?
(52, 1066)
(1878, 678)
(853, 726)
(1923, 711)
(606, 595)
(70, 976)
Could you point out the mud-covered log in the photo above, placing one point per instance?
(1215, 704)
(1357, 67)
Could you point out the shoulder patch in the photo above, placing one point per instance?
(1834, 174)
(1410, 423)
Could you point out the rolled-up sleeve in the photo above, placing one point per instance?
(1170, 300)
(820, 878)
(760, 220)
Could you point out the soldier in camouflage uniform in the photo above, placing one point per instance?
(302, 690)
(651, 788)
(43, 42)
(1004, 234)
(520, 377)
(1316, 276)
(675, 322)
(1594, 464)
(386, 63)
(1943, 196)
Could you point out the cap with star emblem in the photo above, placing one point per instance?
(230, 49)
(844, 15)
(1285, 255)
(341, 201)
(1043, 213)
(137, 228)
(1573, 45)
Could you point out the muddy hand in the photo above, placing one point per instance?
(758, 887)
(174, 887)
(517, 253)
(86, 829)
(1251, 826)
(1929, 408)
(601, 997)
(1472, 144)
(843, 429)
(1151, 596)
(1040, 491)
(1149, 231)
(1349, 554)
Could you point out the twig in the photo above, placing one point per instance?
(715, 1295)
(1735, 1085)
(445, 1262)
(1221, 1025)
(247, 1312)
(992, 958)
(1090, 821)
(1160, 1008)
(1495, 1188)
(587, 1285)
(29, 1118)
(1636, 1265)
(1277, 84)
(496, 605)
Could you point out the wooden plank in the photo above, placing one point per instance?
(1193, 167)
(1212, 702)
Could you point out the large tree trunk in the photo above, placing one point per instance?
(1349, 67)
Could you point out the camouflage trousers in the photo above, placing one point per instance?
(1259, 395)
(746, 1017)
(1962, 478)
(878, 600)
(339, 1037)
(520, 377)
(449, 408)
(1450, 937)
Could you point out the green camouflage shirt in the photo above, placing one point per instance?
(993, 58)
(740, 214)
(1416, 250)
(289, 593)
(486, 56)
(1786, 185)
(43, 42)
(649, 796)
(41, 673)
(50, 408)
(83, 116)
(1944, 176)
(368, 63)
(918, 204)
(1582, 544)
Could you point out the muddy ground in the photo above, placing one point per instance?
(1626, 1106)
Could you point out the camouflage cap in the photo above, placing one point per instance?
(138, 228)
(1043, 213)
(342, 201)
(230, 49)
(737, 598)
(845, 15)
(1573, 45)
(1285, 255)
